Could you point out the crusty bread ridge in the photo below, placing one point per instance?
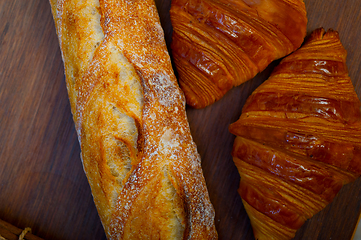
(137, 151)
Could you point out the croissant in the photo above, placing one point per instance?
(129, 112)
(298, 138)
(219, 44)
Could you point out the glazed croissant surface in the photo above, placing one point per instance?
(219, 44)
(298, 138)
(129, 112)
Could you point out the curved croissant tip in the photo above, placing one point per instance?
(321, 33)
(331, 33)
(194, 103)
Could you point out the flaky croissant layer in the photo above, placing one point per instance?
(219, 44)
(298, 138)
(137, 151)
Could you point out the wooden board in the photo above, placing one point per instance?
(42, 183)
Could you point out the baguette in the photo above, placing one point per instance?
(136, 147)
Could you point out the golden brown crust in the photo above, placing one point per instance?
(298, 138)
(137, 150)
(219, 44)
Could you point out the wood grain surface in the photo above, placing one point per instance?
(42, 183)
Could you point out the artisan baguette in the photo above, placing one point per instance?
(137, 151)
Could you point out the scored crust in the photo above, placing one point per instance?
(137, 151)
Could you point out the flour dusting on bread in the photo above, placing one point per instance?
(137, 151)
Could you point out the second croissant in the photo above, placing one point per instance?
(298, 138)
(219, 44)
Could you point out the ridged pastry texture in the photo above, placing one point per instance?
(129, 112)
(219, 44)
(298, 138)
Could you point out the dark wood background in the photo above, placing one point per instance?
(42, 183)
